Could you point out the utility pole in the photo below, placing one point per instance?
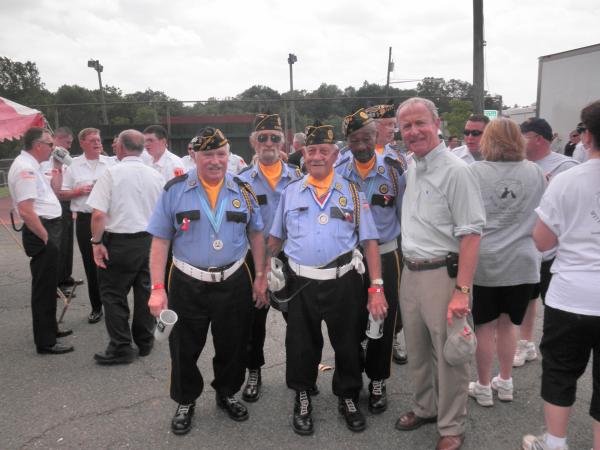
(390, 69)
(478, 63)
(291, 60)
(95, 64)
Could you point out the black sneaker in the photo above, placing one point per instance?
(377, 396)
(252, 389)
(182, 420)
(355, 421)
(302, 422)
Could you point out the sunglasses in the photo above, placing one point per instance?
(581, 129)
(262, 138)
(473, 133)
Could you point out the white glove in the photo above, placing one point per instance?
(357, 261)
(275, 278)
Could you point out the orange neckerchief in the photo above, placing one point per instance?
(272, 173)
(379, 149)
(212, 192)
(364, 168)
(321, 186)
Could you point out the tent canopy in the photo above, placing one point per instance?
(16, 119)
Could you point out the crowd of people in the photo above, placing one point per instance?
(371, 235)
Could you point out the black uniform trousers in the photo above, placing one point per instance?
(379, 351)
(65, 259)
(341, 304)
(126, 268)
(84, 236)
(44, 273)
(255, 355)
(225, 306)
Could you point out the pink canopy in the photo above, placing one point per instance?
(16, 119)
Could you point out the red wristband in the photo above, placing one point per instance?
(375, 290)
(158, 286)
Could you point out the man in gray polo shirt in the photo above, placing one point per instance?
(442, 220)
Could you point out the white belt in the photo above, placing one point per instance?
(388, 246)
(209, 277)
(315, 273)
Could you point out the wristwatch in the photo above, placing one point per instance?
(463, 289)
(377, 282)
(95, 242)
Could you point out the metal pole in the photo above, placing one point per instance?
(478, 64)
(389, 66)
(104, 115)
(292, 106)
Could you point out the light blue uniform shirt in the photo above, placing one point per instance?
(268, 199)
(317, 235)
(199, 244)
(379, 190)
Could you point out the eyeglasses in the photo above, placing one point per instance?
(50, 144)
(473, 133)
(262, 138)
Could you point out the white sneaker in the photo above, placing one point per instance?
(504, 388)
(531, 442)
(483, 394)
(525, 352)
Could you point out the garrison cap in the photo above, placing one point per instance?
(318, 133)
(267, 122)
(208, 139)
(355, 122)
(381, 111)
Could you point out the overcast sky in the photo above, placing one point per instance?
(192, 50)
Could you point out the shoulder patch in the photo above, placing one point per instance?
(395, 163)
(175, 180)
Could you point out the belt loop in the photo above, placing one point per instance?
(337, 272)
(212, 276)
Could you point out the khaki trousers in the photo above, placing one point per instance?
(439, 389)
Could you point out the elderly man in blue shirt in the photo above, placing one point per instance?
(322, 218)
(381, 178)
(209, 216)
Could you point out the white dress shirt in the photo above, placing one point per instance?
(82, 172)
(166, 165)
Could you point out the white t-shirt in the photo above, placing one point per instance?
(188, 163)
(464, 153)
(580, 153)
(26, 181)
(83, 172)
(127, 192)
(169, 165)
(570, 207)
(235, 163)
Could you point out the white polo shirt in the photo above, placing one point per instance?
(26, 181)
(167, 164)
(82, 172)
(127, 192)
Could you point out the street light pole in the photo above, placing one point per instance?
(95, 64)
(478, 62)
(390, 69)
(291, 60)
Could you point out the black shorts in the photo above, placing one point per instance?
(566, 345)
(490, 302)
(541, 288)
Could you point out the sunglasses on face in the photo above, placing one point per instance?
(473, 133)
(262, 138)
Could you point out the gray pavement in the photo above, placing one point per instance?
(68, 402)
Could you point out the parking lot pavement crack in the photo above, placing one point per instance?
(79, 417)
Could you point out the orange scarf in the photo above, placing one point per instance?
(364, 168)
(272, 173)
(379, 149)
(212, 192)
(321, 186)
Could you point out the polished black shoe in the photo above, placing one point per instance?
(95, 316)
(110, 358)
(181, 422)
(145, 350)
(232, 406)
(63, 333)
(355, 421)
(377, 396)
(313, 391)
(302, 422)
(252, 389)
(56, 349)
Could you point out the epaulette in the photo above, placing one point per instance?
(398, 164)
(245, 169)
(343, 161)
(175, 180)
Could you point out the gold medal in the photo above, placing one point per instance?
(218, 244)
(323, 219)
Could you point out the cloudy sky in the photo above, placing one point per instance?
(192, 50)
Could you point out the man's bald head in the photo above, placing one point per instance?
(129, 143)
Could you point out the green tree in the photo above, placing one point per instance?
(455, 119)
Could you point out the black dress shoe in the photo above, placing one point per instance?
(302, 422)
(63, 333)
(56, 349)
(145, 350)
(95, 316)
(181, 422)
(252, 389)
(355, 421)
(313, 391)
(232, 406)
(377, 396)
(109, 358)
